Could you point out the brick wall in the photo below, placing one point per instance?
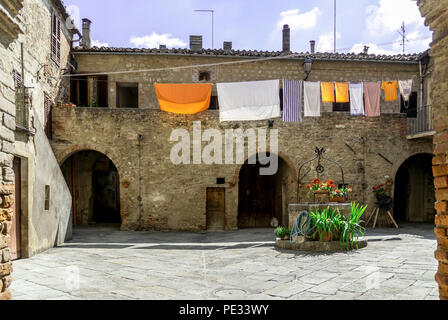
(436, 14)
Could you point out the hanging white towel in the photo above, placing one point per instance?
(405, 88)
(311, 94)
(357, 99)
(249, 101)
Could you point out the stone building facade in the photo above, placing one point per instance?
(155, 194)
(436, 14)
(35, 201)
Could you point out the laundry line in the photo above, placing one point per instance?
(184, 67)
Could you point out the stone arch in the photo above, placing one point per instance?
(260, 198)
(98, 176)
(414, 189)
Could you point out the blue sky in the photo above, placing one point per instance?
(255, 24)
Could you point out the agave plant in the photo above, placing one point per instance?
(351, 227)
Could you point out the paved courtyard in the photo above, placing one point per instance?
(102, 263)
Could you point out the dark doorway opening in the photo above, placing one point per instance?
(262, 198)
(414, 190)
(93, 180)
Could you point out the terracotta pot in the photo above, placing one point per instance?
(337, 199)
(325, 237)
(321, 196)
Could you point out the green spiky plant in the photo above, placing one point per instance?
(351, 227)
(325, 221)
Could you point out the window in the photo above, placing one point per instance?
(204, 76)
(281, 99)
(127, 95)
(214, 103)
(48, 105)
(89, 91)
(221, 181)
(55, 38)
(341, 107)
(47, 198)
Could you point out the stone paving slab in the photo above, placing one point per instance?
(107, 264)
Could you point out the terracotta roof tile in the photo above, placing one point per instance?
(407, 58)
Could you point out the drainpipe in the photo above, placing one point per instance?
(421, 83)
(23, 86)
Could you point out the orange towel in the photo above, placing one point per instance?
(390, 90)
(327, 91)
(183, 98)
(342, 92)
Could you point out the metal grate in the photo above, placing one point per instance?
(423, 123)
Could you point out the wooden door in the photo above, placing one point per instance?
(106, 205)
(16, 234)
(216, 208)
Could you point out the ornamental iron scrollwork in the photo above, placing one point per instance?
(320, 169)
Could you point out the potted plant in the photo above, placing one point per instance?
(125, 183)
(382, 191)
(282, 233)
(350, 228)
(325, 224)
(321, 190)
(340, 195)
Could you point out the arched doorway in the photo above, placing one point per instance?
(263, 197)
(414, 190)
(94, 183)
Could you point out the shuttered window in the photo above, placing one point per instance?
(17, 79)
(55, 39)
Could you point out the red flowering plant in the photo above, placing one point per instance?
(342, 192)
(318, 185)
(381, 189)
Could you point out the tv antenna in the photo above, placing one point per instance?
(402, 33)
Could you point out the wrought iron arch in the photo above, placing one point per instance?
(320, 169)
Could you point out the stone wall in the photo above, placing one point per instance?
(173, 197)
(436, 14)
(29, 23)
(272, 69)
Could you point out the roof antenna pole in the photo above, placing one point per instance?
(334, 31)
(403, 36)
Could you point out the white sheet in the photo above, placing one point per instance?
(249, 101)
(405, 88)
(357, 99)
(311, 95)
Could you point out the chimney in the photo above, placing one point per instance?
(227, 45)
(162, 46)
(286, 38)
(196, 43)
(313, 46)
(366, 49)
(86, 42)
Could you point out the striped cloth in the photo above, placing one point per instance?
(292, 101)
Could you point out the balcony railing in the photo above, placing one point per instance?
(424, 123)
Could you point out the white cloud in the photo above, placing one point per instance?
(297, 20)
(373, 49)
(389, 15)
(96, 43)
(326, 42)
(155, 39)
